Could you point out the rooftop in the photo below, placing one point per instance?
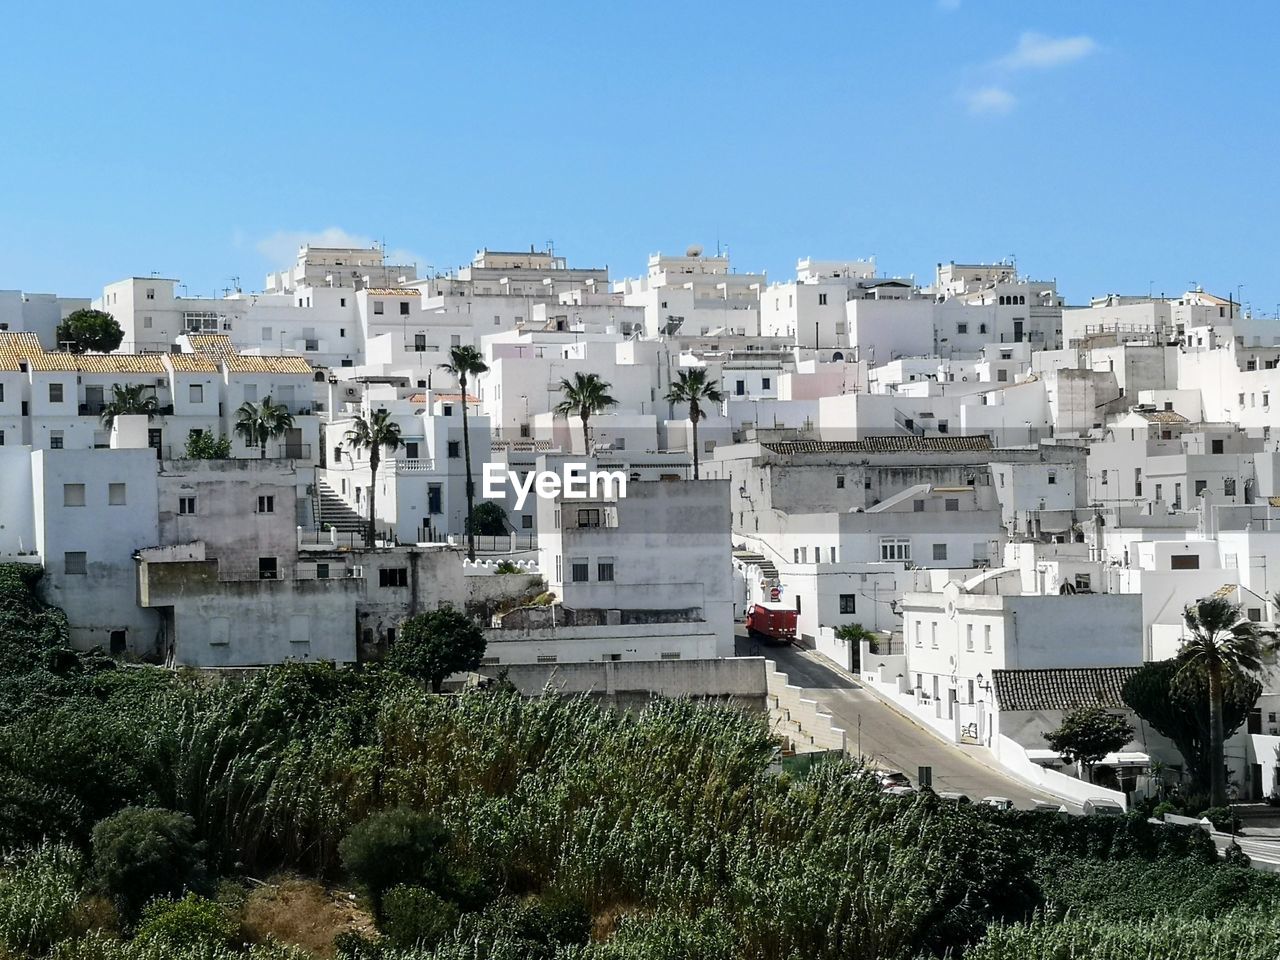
(1061, 689)
(889, 444)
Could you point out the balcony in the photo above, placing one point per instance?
(293, 451)
(408, 465)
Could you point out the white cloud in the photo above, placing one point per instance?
(281, 247)
(990, 101)
(1035, 51)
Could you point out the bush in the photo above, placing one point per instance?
(505, 567)
(140, 854)
(189, 922)
(1163, 807)
(1224, 819)
(414, 916)
(40, 891)
(395, 847)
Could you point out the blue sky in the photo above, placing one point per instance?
(1111, 145)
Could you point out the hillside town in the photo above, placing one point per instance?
(981, 505)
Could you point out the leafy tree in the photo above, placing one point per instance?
(374, 434)
(584, 396)
(140, 854)
(489, 519)
(1173, 696)
(396, 847)
(85, 330)
(258, 423)
(132, 400)
(206, 446)
(466, 363)
(1087, 735)
(1222, 641)
(694, 388)
(432, 646)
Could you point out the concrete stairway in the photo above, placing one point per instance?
(330, 508)
(767, 569)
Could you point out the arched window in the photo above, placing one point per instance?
(837, 356)
(1022, 298)
(1002, 301)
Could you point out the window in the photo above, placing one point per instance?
(411, 449)
(267, 568)
(895, 548)
(404, 308)
(942, 426)
(939, 551)
(951, 505)
(526, 521)
(146, 323)
(986, 638)
(115, 495)
(377, 306)
(55, 393)
(186, 506)
(1184, 562)
(342, 301)
(393, 577)
(848, 603)
(419, 343)
(579, 571)
(765, 383)
(267, 504)
(1200, 485)
(73, 494)
(1255, 614)
(455, 450)
(266, 335)
(962, 328)
(968, 638)
(933, 637)
(322, 571)
(74, 563)
(589, 518)
(604, 571)
(822, 299)
(1229, 486)
(1053, 477)
(118, 641)
(1104, 478)
(434, 499)
(1217, 446)
(918, 642)
(195, 393)
(1002, 376)
(740, 387)
(1, 438)
(1084, 583)
(917, 506)
(151, 293)
(839, 481)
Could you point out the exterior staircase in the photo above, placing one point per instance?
(767, 569)
(329, 508)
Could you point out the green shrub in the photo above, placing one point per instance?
(140, 854)
(1224, 819)
(414, 916)
(189, 922)
(505, 567)
(396, 847)
(40, 890)
(351, 945)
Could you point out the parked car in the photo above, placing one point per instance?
(1000, 803)
(1102, 807)
(1048, 806)
(955, 797)
(892, 778)
(898, 791)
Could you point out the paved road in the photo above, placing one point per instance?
(890, 738)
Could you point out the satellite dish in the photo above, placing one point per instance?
(695, 250)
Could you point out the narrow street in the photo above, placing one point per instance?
(888, 737)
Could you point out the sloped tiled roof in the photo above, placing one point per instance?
(16, 347)
(253, 363)
(1061, 689)
(1162, 416)
(120, 363)
(190, 363)
(394, 292)
(889, 444)
(216, 345)
(447, 397)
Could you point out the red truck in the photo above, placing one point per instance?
(771, 624)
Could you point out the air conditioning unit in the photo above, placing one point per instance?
(351, 391)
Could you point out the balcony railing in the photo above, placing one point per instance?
(294, 451)
(408, 465)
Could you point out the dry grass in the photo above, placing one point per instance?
(302, 912)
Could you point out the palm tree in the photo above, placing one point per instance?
(374, 434)
(693, 387)
(129, 401)
(259, 423)
(1222, 640)
(584, 395)
(464, 362)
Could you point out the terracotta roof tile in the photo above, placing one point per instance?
(394, 292)
(253, 363)
(16, 347)
(1061, 689)
(212, 344)
(190, 363)
(889, 444)
(1162, 416)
